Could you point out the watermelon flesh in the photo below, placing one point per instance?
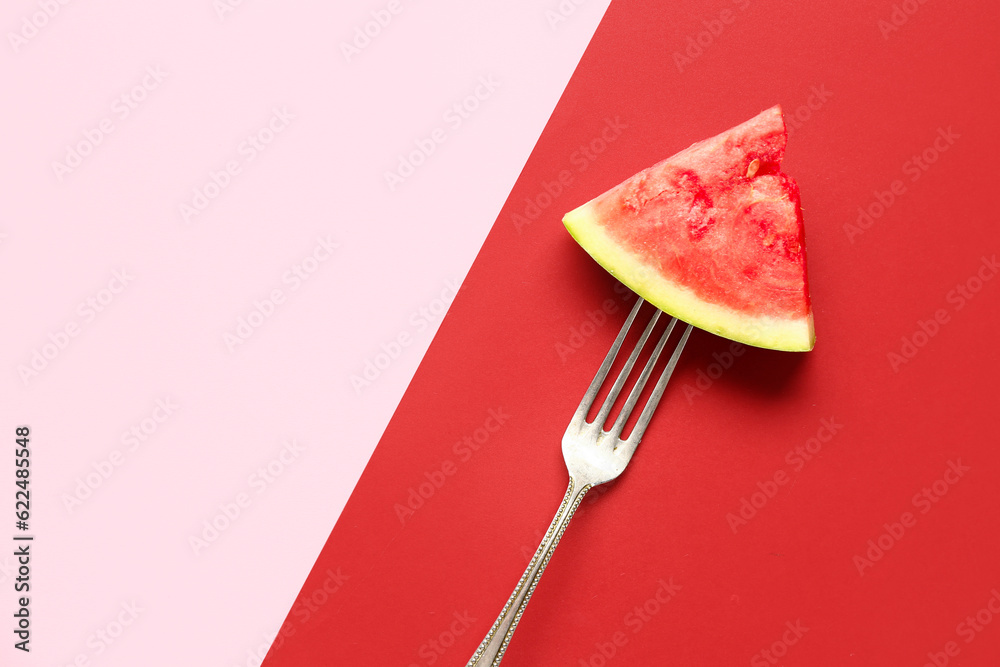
(712, 236)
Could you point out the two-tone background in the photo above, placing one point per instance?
(196, 192)
(230, 230)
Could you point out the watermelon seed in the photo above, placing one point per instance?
(753, 167)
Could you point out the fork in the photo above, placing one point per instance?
(593, 456)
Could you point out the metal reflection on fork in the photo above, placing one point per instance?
(593, 456)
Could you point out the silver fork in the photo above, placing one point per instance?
(593, 456)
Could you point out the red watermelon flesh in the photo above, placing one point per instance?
(713, 236)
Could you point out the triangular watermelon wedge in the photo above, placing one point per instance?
(713, 236)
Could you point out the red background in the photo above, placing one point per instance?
(666, 517)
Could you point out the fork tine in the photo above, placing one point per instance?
(633, 396)
(580, 417)
(616, 388)
(647, 412)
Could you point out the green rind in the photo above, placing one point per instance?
(787, 334)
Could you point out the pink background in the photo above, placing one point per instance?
(157, 334)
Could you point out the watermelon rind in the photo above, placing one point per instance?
(776, 333)
(760, 322)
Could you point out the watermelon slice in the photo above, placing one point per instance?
(713, 236)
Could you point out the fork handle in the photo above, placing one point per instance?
(491, 650)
